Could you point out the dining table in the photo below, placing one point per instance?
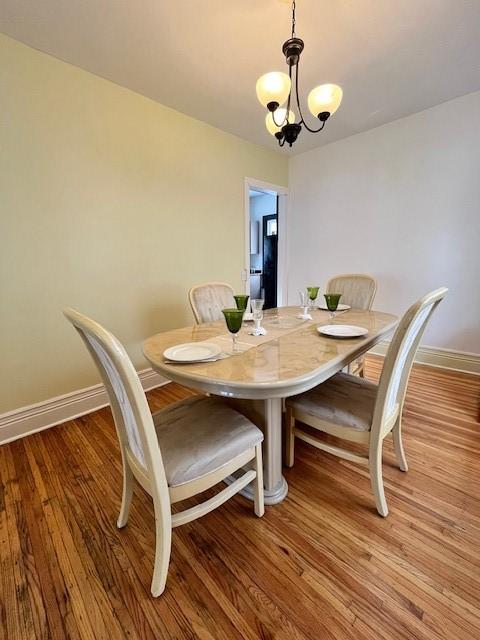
(291, 358)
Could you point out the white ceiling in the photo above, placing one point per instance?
(203, 57)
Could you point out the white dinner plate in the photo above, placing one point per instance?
(192, 352)
(341, 307)
(248, 317)
(342, 330)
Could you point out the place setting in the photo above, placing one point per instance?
(218, 348)
(190, 352)
(332, 304)
(334, 307)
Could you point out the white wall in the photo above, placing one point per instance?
(401, 202)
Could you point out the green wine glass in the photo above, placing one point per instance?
(241, 302)
(332, 300)
(312, 294)
(233, 318)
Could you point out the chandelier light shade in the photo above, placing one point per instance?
(273, 88)
(276, 88)
(280, 115)
(326, 97)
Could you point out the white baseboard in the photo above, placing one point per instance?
(436, 357)
(42, 415)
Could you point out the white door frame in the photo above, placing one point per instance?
(282, 271)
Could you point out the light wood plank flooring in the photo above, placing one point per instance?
(322, 565)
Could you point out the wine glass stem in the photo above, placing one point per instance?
(332, 315)
(234, 341)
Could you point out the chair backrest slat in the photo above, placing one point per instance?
(128, 420)
(400, 355)
(207, 301)
(133, 419)
(357, 289)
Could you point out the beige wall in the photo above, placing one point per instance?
(111, 203)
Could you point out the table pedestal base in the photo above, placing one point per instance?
(267, 415)
(271, 496)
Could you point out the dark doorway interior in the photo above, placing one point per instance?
(270, 259)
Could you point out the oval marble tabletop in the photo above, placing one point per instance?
(293, 357)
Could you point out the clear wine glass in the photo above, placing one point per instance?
(304, 303)
(332, 300)
(257, 310)
(233, 318)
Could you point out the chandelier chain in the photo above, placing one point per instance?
(293, 18)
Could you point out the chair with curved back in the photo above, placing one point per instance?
(175, 453)
(358, 290)
(208, 299)
(359, 411)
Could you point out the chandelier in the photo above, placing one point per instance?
(275, 88)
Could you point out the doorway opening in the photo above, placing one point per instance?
(265, 259)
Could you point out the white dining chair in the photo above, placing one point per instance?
(177, 452)
(208, 299)
(359, 411)
(358, 290)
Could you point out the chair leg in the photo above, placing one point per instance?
(126, 495)
(163, 544)
(357, 368)
(259, 503)
(398, 444)
(376, 479)
(290, 437)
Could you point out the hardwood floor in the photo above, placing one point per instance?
(322, 565)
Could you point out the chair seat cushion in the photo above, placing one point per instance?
(344, 400)
(199, 435)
